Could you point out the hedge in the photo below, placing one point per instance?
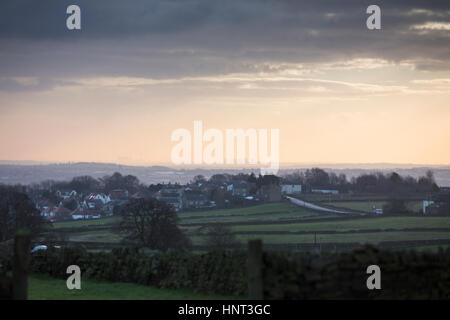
(404, 275)
(286, 275)
(219, 272)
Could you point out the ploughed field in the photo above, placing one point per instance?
(286, 226)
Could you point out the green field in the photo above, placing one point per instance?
(286, 218)
(272, 211)
(85, 223)
(316, 197)
(354, 224)
(368, 206)
(95, 236)
(361, 238)
(43, 287)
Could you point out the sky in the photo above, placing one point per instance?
(117, 89)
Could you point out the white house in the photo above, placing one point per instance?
(98, 196)
(66, 194)
(291, 188)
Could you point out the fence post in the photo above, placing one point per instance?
(255, 270)
(20, 265)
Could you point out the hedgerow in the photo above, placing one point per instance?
(286, 275)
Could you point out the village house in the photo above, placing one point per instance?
(45, 205)
(171, 195)
(56, 214)
(195, 199)
(291, 189)
(93, 204)
(240, 189)
(99, 197)
(66, 194)
(48, 214)
(270, 193)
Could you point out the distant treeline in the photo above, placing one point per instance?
(315, 178)
(85, 184)
(391, 183)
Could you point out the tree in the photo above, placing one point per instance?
(152, 224)
(84, 184)
(219, 178)
(17, 211)
(70, 204)
(252, 178)
(317, 177)
(199, 179)
(50, 196)
(118, 181)
(220, 236)
(395, 206)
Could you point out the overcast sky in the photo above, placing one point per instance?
(115, 90)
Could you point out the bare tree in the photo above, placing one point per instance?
(152, 224)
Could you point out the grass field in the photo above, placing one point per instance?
(367, 206)
(258, 209)
(42, 287)
(272, 211)
(315, 197)
(362, 238)
(97, 236)
(85, 223)
(354, 224)
(286, 218)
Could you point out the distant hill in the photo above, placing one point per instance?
(34, 172)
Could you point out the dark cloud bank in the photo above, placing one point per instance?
(163, 39)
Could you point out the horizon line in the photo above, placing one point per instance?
(282, 165)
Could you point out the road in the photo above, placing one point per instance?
(312, 206)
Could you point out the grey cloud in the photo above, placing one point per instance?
(164, 39)
(117, 18)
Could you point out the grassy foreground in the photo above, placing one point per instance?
(43, 287)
